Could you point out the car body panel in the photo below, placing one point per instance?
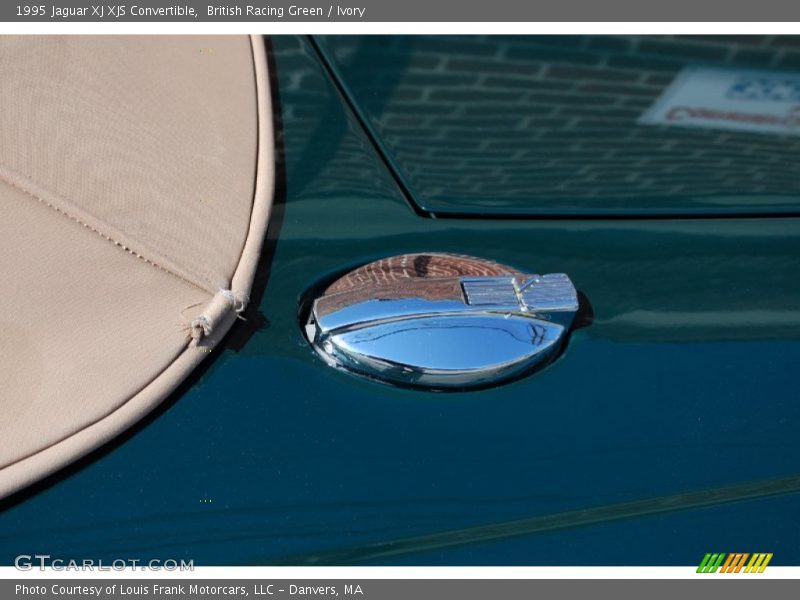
(553, 125)
(684, 381)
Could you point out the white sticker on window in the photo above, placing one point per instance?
(739, 100)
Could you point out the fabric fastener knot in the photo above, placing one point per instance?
(237, 302)
(224, 301)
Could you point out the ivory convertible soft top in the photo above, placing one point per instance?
(136, 176)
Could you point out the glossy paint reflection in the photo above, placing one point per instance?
(553, 125)
(685, 381)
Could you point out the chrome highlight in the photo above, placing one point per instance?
(433, 327)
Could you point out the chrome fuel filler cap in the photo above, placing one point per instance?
(441, 320)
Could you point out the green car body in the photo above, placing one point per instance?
(681, 383)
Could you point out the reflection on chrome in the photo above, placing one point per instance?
(441, 321)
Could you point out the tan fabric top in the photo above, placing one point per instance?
(135, 180)
(150, 139)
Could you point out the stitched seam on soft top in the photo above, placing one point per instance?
(134, 398)
(8, 178)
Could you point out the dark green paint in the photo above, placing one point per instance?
(549, 125)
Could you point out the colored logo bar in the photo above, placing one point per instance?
(734, 563)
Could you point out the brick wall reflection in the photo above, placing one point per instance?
(555, 117)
